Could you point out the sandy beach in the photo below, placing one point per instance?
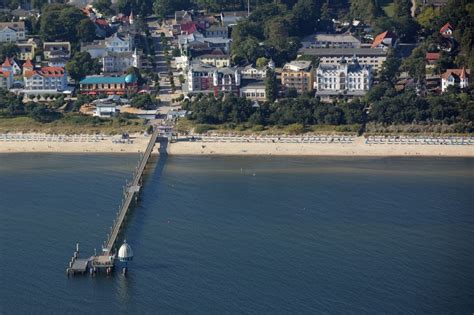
(358, 147)
(104, 145)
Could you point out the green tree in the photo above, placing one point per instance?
(8, 50)
(86, 30)
(276, 31)
(162, 8)
(415, 64)
(390, 68)
(60, 22)
(10, 104)
(366, 10)
(262, 62)
(42, 114)
(138, 7)
(143, 101)
(81, 65)
(402, 8)
(247, 51)
(104, 7)
(271, 85)
(426, 17)
(305, 16)
(354, 112)
(39, 4)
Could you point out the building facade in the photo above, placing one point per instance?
(254, 90)
(251, 72)
(207, 78)
(45, 78)
(53, 50)
(11, 32)
(455, 77)
(374, 57)
(219, 61)
(119, 43)
(99, 84)
(298, 75)
(27, 50)
(217, 31)
(113, 62)
(6, 75)
(321, 40)
(342, 79)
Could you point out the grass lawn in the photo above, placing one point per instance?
(387, 6)
(73, 124)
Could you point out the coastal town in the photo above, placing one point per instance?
(236, 156)
(208, 71)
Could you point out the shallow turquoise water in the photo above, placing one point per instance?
(240, 234)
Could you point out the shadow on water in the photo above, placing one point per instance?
(137, 215)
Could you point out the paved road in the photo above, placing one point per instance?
(165, 94)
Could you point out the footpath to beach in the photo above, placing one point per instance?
(246, 145)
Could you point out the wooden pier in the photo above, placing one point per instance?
(105, 260)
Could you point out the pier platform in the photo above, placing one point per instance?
(79, 266)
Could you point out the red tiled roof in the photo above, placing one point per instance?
(46, 72)
(379, 38)
(51, 71)
(446, 27)
(28, 63)
(7, 63)
(189, 27)
(432, 56)
(461, 73)
(102, 22)
(29, 73)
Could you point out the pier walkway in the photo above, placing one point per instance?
(131, 192)
(105, 260)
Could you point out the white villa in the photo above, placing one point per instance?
(342, 79)
(12, 32)
(455, 77)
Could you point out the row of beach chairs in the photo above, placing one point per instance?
(273, 139)
(419, 140)
(9, 137)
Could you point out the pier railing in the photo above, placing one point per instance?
(130, 192)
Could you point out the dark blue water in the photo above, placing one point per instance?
(251, 235)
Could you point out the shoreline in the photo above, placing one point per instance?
(357, 147)
(309, 149)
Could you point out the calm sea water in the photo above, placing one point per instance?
(235, 234)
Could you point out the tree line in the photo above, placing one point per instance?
(381, 105)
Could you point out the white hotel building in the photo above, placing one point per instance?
(342, 79)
